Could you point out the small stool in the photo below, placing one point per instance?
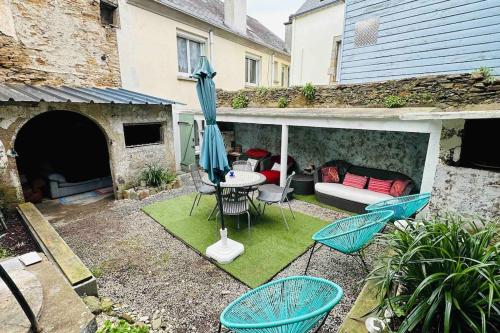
(303, 184)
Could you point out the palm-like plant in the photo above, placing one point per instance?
(442, 276)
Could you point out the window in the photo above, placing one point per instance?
(252, 66)
(335, 59)
(142, 134)
(189, 52)
(479, 144)
(108, 13)
(276, 74)
(284, 76)
(366, 32)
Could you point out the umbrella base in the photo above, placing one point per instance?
(225, 250)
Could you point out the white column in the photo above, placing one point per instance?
(432, 157)
(284, 154)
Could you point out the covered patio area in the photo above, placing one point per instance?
(404, 140)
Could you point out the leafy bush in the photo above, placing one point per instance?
(309, 92)
(156, 176)
(282, 102)
(487, 74)
(122, 327)
(4, 253)
(393, 101)
(240, 101)
(442, 276)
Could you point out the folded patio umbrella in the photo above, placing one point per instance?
(213, 157)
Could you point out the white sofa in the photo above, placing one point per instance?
(363, 196)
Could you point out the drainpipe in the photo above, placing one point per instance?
(211, 46)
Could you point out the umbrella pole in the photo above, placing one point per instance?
(221, 210)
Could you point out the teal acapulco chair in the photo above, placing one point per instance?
(403, 207)
(351, 234)
(295, 304)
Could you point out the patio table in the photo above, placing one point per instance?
(241, 179)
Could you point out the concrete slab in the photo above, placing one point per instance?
(62, 311)
(12, 317)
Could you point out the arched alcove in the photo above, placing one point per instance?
(64, 147)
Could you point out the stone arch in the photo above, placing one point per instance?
(91, 131)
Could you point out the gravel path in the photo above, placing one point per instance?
(150, 274)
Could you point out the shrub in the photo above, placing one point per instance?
(309, 92)
(487, 74)
(240, 101)
(4, 253)
(282, 102)
(441, 276)
(156, 176)
(393, 101)
(122, 327)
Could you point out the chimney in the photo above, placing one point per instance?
(288, 35)
(235, 15)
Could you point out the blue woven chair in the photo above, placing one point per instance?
(295, 304)
(403, 207)
(351, 234)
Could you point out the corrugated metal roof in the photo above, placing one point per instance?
(64, 94)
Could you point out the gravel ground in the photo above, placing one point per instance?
(150, 274)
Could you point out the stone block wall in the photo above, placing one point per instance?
(395, 151)
(441, 91)
(462, 190)
(56, 43)
(126, 163)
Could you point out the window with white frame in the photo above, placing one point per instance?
(189, 52)
(252, 68)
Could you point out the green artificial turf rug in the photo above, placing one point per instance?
(269, 250)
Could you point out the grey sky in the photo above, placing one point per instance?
(273, 13)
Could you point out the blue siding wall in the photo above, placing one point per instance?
(421, 37)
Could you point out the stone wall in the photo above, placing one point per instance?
(126, 164)
(441, 91)
(462, 190)
(56, 43)
(395, 151)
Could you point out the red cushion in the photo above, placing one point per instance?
(256, 153)
(380, 185)
(272, 177)
(355, 180)
(330, 175)
(398, 187)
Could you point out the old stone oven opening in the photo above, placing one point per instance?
(61, 154)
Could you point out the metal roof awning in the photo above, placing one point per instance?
(65, 94)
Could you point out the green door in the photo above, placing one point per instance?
(186, 124)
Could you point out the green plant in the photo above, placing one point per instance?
(261, 91)
(97, 271)
(282, 102)
(393, 101)
(122, 326)
(4, 253)
(442, 276)
(309, 92)
(240, 101)
(487, 74)
(156, 176)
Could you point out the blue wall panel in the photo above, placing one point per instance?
(421, 37)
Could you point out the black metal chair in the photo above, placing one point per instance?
(201, 189)
(273, 194)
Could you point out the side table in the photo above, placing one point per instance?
(303, 184)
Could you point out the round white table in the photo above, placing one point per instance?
(240, 179)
